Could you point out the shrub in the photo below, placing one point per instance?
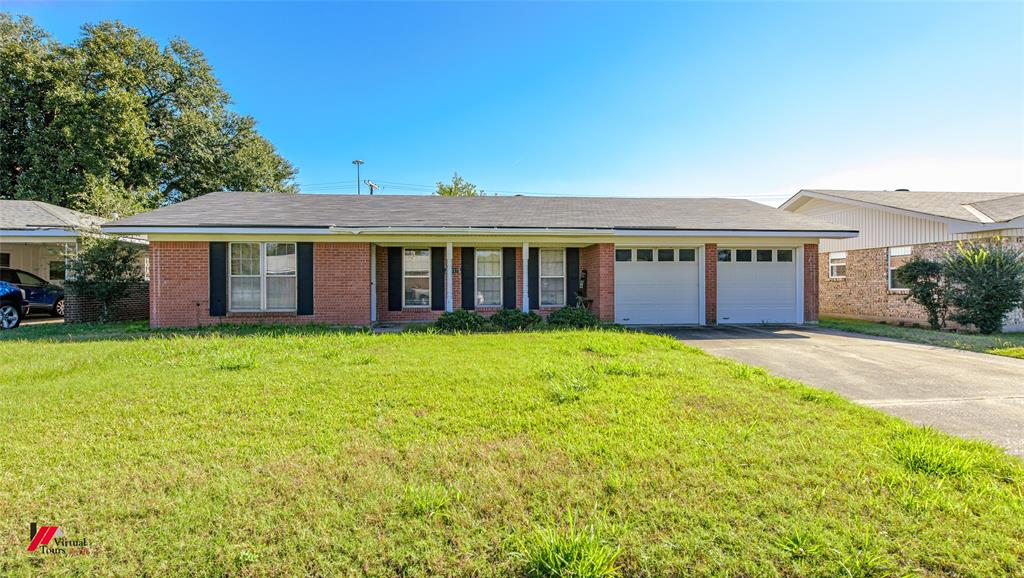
(515, 320)
(573, 317)
(985, 281)
(924, 278)
(104, 269)
(460, 320)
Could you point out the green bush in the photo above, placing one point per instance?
(104, 269)
(515, 320)
(985, 281)
(924, 278)
(460, 320)
(573, 317)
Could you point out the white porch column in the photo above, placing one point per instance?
(448, 300)
(373, 283)
(526, 277)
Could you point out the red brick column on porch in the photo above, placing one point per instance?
(711, 284)
(599, 263)
(810, 283)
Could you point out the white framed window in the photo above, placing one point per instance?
(898, 256)
(552, 277)
(837, 265)
(416, 278)
(488, 277)
(262, 277)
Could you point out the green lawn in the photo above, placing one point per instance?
(1008, 344)
(306, 451)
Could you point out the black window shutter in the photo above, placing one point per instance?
(304, 258)
(508, 277)
(394, 278)
(572, 275)
(534, 279)
(468, 278)
(218, 279)
(437, 260)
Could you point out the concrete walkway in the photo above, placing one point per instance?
(974, 395)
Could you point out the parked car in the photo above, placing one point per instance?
(42, 296)
(13, 305)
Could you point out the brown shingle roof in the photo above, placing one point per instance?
(999, 207)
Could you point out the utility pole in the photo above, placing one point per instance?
(359, 188)
(373, 186)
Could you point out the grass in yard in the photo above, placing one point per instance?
(1006, 344)
(306, 451)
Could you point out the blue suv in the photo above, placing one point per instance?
(13, 306)
(42, 296)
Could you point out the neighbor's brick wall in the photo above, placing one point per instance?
(865, 294)
(132, 307)
(180, 286)
(711, 284)
(599, 262)
(810, 283)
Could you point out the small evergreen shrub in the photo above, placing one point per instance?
(515, 320)
(576, 317)
(985, 281)
(460, 320)
(924, 278)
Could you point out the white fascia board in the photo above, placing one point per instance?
(38, 233)
(985, 227)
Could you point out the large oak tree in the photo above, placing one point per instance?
(117, 124)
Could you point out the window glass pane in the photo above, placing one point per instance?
(8, 276)
(899, 251)
(5, 259)
(725, 255)
(666, 255)
(417, 291)
(281, 293)
(488, 291)
(784, 255)
(280, 258)
(552, 291)
(56, 270)
(623, 254)
(837, 271)
(245, 258)
(744, 255)
(645, 254)
(687, 254)
(30, 279)
(245, 293)
(488, 263)
(898, 261)
(764, 255)
(417, 261)
(552, 262)
(893, 282)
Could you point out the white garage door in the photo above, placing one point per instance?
(757, 286)
(657, 286)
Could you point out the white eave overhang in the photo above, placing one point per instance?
(464, 231)
(39, 233)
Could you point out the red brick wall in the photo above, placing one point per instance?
(131, 307)
(711, 284)
(810, 283)
(599, 263)
(180, 286)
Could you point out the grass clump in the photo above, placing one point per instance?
(924, 451)
(569, 552)
(427, 500)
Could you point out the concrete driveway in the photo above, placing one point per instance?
(974, 395)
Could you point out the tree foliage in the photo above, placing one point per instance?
(115, 123)
(104, 269)
(985, 281)
(924, 278)
(459, 187)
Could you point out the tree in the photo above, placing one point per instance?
(104, 269)
(117, 124)
(985, 281)
(459, 187)
(924, 278)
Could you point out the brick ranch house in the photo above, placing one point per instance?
(855, 274)
(359, 260)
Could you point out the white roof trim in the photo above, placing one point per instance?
(39, 233)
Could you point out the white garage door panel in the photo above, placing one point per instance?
(757, 293)
(657, 293)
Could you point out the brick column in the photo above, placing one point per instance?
(599, 263)
(810, 283)
(711, 284)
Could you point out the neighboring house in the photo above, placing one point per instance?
(34, 236)
(856, 278)
(342, 259)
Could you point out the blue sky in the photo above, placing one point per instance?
(686, 99)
